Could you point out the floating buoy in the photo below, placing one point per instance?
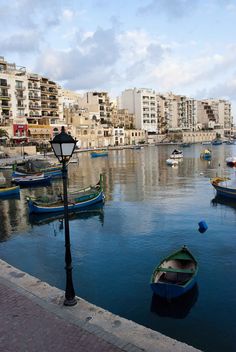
(202, 226)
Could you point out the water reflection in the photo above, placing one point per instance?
(178, 308)
(39, 219)
(223, 201)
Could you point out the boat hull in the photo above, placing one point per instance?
(36, 208)
(225, 192)
(170, 291)
(96, 155)
(10, 191)
(45, 181)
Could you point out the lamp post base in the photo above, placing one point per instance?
(70, 302)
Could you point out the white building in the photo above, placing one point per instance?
(142, 103)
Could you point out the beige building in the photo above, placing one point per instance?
(122, 118)
(89, 132)
(27, 101)
(133, 137)
(98, 104)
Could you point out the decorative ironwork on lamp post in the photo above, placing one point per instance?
(63, 146)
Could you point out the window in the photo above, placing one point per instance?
(20, 112)
(19, 84)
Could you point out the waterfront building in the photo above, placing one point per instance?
(89, 132)
(29, 104)
(142, 103)
(98, 105)
(133, 137)
(122, 118)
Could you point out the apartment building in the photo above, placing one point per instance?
(122, 118)
(89, 132)
(98, 105)
(142, 103)
(29, 104)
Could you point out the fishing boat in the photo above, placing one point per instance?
(77, 200)
(99, 153)
(217, 142)
(175, 275)
(185, 145)
(231, 161)
(206, 143)
(35, 180)
(224, 187)
(205, 154)
(176, 154)
(32, 167)
(6, 192)
(172, 162)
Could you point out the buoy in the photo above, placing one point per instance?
(202, 226)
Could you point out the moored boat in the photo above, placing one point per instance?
(9, 192)
(217, 142)
(172, 162)
(176, 154)
(231, 161)
(205, 154)
(175, 275)
(77, 200)
(29, 181)
(224, 188)
(98, 153)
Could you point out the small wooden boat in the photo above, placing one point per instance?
(6, 192)
(29, 181)
(77, 200)
(206, 143)
(205, 154)
(99, 153)
(231, 161)
(172, 162)
(223, 188)
(176, 154)
(175, 275)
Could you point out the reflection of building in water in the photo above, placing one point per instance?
(13, 214)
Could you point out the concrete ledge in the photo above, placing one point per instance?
(120, 332)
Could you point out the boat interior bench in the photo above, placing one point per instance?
(173, 270)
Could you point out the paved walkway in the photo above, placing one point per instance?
(25, 326)
(34, 319)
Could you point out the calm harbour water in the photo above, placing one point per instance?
(151, 210)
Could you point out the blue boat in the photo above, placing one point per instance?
(175, 275)
(217, 142)
(31, 181)
(6, 192)
(99, 153)
(206, 154)
(223, 188)
(56, 207)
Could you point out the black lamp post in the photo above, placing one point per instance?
(63, 146)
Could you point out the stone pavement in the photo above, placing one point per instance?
(34, 319)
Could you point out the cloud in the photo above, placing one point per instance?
(24, 42)
(90, 62)
(171, 8)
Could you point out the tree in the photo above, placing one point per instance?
(3, 133)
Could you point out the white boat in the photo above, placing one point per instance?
(172, 162)
(176, 154)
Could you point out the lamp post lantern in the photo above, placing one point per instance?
(63, 146)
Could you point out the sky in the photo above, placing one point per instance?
(182, 46)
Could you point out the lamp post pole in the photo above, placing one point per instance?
(63, 146)
(70, 292)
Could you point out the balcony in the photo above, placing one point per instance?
(5, 96)
(21, 97)
(19, 88)
(34, 107)
(4, 85)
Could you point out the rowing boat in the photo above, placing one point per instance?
(175, 275)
